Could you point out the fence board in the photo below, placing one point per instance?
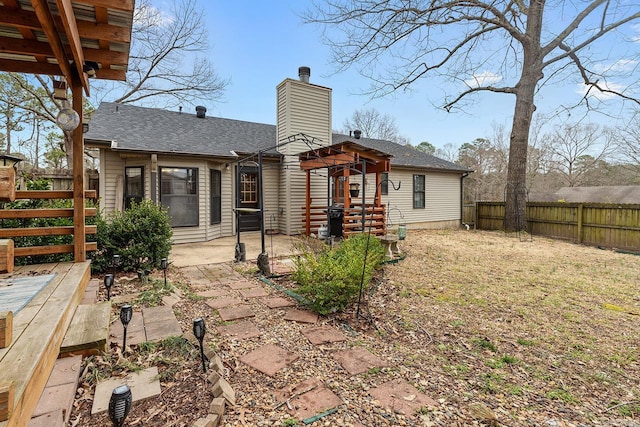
(596, 224)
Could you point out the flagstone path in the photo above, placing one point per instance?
(237, 299)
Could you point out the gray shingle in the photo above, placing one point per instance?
(161, 131)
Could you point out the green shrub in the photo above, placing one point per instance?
(330, 280)
(141, 235)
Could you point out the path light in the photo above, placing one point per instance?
(108, 282)
(116, 264)
(164, 264)
(120, 404)
(126, 313)
(198, 330)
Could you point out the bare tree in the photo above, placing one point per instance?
(168, 64)
(577, 149)
(628, 143)
(503, 46)
(374, 124)
(448, 151)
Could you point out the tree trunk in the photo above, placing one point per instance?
(68, 148)
(515, 216)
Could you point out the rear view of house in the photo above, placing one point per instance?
(207, 170)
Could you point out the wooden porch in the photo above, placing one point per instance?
(71, 41)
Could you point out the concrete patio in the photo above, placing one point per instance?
(223, 250)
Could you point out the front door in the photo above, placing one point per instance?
(248, 198)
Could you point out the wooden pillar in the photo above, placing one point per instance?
(79, 249)
(308, 204)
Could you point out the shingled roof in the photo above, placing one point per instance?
(140, 129)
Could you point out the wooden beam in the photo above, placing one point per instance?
(6, 256)
(48, 26)
(79, 253)
(52, 194)
(43, 213)
(73, 38)
(52, 249)
(325, 162)
(13, 66)
(126, 5)
(43, 231)
(86, 29)
(6, 331)
(7, 396)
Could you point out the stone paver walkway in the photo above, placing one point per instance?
(236, 300)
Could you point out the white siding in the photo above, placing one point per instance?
(271, 190)
(111, 166)
(442, 204)
(302, 108)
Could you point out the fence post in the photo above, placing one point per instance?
(580, 206)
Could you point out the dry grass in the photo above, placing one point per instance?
(534, 330)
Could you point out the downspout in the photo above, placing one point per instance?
(462, 177)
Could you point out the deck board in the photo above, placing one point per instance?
(39, 329)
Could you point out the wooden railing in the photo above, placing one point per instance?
(47, 231)
(375, 218)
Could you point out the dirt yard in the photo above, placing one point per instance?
(496, 330)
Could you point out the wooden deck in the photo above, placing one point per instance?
(38, 331)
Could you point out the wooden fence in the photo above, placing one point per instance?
(596, 224)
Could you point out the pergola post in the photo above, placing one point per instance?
(308, 204)
(79, 248)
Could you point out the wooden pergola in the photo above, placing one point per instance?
(74, 40)
(343, 161)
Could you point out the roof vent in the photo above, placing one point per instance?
(200, 111)
(304, 73)
(357, 134)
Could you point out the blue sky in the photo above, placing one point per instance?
(257, 44)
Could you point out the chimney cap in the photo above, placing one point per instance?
(357, 134)
(304, 73)
(200, 111)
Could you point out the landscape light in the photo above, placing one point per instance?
(126, 313)
(108, 282)
(116, 264)
(199, 329)
(164, 264)
(120, 405)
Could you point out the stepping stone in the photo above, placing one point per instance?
(241, 284)
(253, 292)
(196, 277)
(235, 312)
(241, 330)
(50, 419)
(401, 397)
(60, 390)
(358, 360)
(222, 302)
(279, 268)
(91, 293)
(214, 293)
(135, 330)
(302, 316)
(278, 302)
(160, 323)
(143, 384)
(216, 271)
(323, 335)
(269, 359)
(314, 399)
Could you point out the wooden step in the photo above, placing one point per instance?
(89, 330)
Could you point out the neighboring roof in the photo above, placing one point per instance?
(627, 194)
(402, 155)
(160, 131)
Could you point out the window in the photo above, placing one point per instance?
(216, 196)
(418, 192)
(249, 188)
(384, 183)
(133, 185)
(179, 193)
